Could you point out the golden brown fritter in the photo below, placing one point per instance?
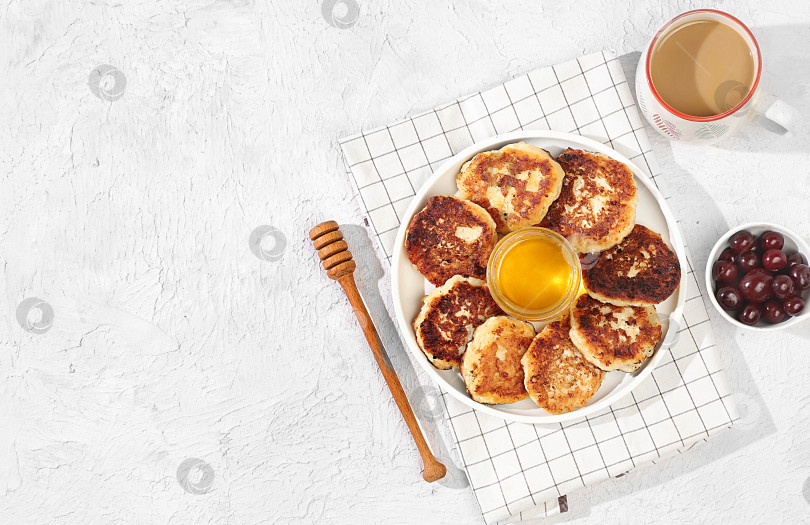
(614, 337)
(491, 364)
(641, 270)
(448, 318)
(556, 375)
(515, 184)
(450, 236)
(597, 204)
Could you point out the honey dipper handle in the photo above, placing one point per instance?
(434, 470)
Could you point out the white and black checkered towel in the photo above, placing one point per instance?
(521, 471)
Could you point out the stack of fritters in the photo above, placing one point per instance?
(591, 200)
(616, 326)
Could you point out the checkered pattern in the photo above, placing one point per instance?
(521, 471)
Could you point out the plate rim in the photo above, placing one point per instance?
(675, 238)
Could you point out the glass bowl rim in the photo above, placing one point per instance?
(496, 257)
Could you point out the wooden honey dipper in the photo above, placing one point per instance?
(338, 263)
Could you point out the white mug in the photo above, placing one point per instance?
(706, 130)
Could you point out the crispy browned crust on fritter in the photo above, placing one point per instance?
(450, 236)
(448, 318)
(491, 364)
(597, 204)
(614, 337)
(515, 184)
(641, 270)
(556, 376)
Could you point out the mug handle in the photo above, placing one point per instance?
(777, 110)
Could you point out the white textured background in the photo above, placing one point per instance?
(172, 340)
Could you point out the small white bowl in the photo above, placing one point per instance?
(793, 243)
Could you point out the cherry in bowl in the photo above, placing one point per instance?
(725, 272)
(774, 260)
(729, 298)
(757, 286)
(800, 273)
(793, 258)
(782, 286)
(794, 305)
(748, 261)
(750, 314)
(742, 241)
(727, 255)
(772, 312)
(771, 240)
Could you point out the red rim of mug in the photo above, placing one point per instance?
(674, 111)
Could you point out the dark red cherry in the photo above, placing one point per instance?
(771, 240)
(727, 255)
(742, 241)
(800, 273)
(795, 258)
(724, 271)
(750, 314)
(729, 298)
(782, 287)
(772, 312)
(756, 286)
(793, 305)
(774, 260)
(747, 261)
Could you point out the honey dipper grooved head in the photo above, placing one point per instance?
(327, 238)
(322, 228)
(332, 249)
(341, 269)
(333, 261)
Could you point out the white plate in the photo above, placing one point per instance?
(409, 286)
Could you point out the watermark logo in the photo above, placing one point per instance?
(267, 243)
(806, 490)
(456, 478)
(427, 404)
(589, 260)
(195, 476)
(749, 410)
(674, 330)
(35, 315)
(341, 14)
(107, 83)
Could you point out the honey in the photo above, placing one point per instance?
(534, 274)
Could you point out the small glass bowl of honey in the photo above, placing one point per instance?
(534, 274)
